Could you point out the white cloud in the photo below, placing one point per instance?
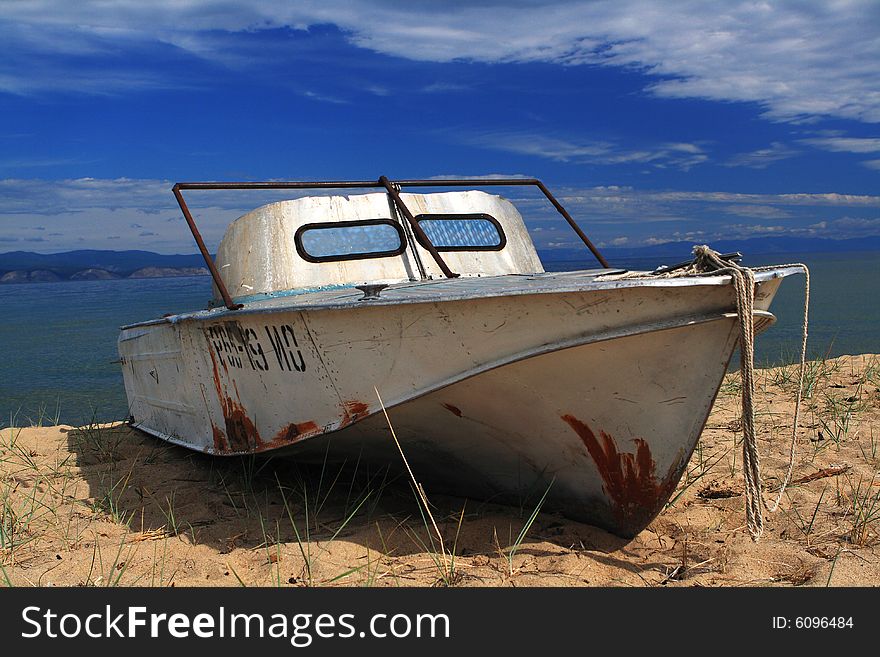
(324, 98)
(849, 226)
(796, 60)
(139, 213)
(82, 213)
(443, 87)
(677, 155)
(844, 228)
(822, 199)
(846, 144)
(149, 198)
(840, 144)
(762, 158)
(760, 211)
(543, 146)
(377, 90)
(483, 176)
(664, 216)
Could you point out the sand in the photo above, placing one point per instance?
(111, 506)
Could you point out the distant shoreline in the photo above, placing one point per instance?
(19, 277)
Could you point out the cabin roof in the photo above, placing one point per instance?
(319, 242)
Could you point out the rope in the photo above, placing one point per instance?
(709, 262)
(744, 285)
(800, 388)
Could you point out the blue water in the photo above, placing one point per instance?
(844, 304)
(844, 307)
(58, 340)
(59, 343)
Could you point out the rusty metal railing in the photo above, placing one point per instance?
(391, 187)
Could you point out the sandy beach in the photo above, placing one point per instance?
(110, 506)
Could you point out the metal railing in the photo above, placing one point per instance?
(391, 187)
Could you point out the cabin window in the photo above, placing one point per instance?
(463, 232)
(349, 240)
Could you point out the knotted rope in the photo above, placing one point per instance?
(709, 262)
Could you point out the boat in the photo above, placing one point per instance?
(499, 378)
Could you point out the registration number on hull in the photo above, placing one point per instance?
(273, 347)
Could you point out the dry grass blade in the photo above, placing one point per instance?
(421, 491)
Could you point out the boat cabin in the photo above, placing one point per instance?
(323, 242)
(326, 241)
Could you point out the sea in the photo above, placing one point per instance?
(58, 340)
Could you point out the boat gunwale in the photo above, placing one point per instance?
(565, 283)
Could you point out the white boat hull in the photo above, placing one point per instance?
(597, 391)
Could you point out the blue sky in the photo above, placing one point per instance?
(652, 121)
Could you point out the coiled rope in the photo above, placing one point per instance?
(709, 262)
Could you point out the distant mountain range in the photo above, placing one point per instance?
(24, 266)
(27, 267)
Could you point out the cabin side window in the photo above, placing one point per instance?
(349, 240)
(462, 232)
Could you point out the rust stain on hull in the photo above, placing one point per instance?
(290, 434)
(629, 480)
(240, 434)
(220, 444)
(352, 411)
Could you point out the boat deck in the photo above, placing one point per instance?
(453, 289)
